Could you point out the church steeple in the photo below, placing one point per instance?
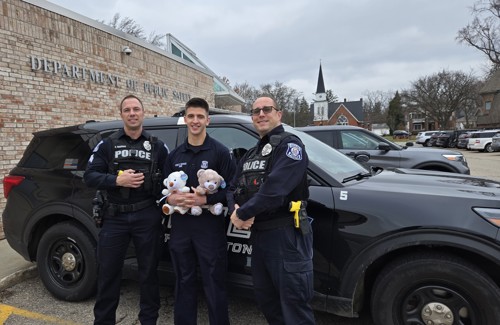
(321, 84)
(320, 102)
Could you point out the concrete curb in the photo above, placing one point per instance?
(19, 276)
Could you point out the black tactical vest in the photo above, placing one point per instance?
(257, 166)
(136, 155)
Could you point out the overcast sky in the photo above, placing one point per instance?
(363, 45)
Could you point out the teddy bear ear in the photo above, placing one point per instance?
(184, 177)
(223, 184)
(200, 172)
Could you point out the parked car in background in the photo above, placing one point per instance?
(434, 137)
(444, 139)
(463, 140)
(413, 246)
(352, 141)
(481, 140)
(423, 137)
(400, 134)
(495, 142)
(449, 139)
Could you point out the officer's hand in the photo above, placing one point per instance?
(247, 224)
(129, 178)
(194, 199)
(176, 198)
(238, 223)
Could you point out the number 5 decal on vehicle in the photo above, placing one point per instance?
(343, 195)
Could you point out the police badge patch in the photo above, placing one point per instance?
(204, 164)
(147, 145)
(267, 149)
(294, 151)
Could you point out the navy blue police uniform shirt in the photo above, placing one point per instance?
(97, 174)
(287, 171)
(210, 155)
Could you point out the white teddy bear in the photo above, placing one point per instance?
(210, 181)
(176, 181)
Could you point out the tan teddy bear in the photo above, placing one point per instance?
(210, 181)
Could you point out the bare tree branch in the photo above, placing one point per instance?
(484, 31)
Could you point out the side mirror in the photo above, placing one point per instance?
(362, 156)
(384, 146)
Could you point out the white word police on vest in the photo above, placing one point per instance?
(254, 165)
(125, 153)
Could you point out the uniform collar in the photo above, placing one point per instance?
(205, 146)
(144, 134)
(277, 130)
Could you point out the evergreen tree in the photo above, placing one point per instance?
(395, 116)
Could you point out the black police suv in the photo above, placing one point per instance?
(413, 246)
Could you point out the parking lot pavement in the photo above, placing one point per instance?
(32, 297)
(483, 164)
(11, 315)
(14, 267)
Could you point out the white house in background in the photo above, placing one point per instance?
(380, 129)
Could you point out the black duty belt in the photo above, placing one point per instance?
(131, 207)
(273, 223)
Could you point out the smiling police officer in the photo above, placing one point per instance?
(199, 240)
(125, 165)
(270, 182)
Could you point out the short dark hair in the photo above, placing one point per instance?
(197, 102)
(273, 98)
(128, 97)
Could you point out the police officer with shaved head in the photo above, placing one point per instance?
(268, 195)
(127, 166)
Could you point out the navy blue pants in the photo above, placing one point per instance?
(199, 241)
(282, 271)
(144, 229)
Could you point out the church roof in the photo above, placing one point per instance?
(355, 107)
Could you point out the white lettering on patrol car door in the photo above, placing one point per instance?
(343, 195)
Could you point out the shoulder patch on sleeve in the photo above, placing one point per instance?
(294, 151)
(97, 146)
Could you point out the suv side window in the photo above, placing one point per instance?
(168, 136)
(354, 139)
(232, 138)
(65, 151)
(324, 136)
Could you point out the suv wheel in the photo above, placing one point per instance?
(488, 148)
(67, 263)
(434, 289)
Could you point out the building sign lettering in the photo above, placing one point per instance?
(99, 77)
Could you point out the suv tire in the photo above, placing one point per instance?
(425, 288)
(488, 148)
(66, 260)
